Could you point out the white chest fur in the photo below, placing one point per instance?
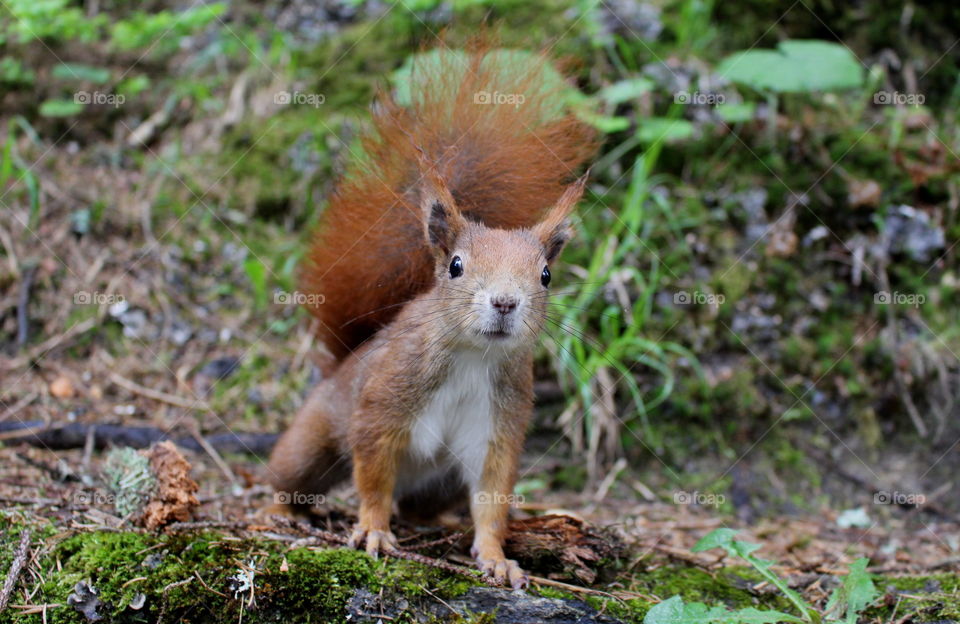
(456, 424)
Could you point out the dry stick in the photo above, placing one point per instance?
(212, 452)
(19, 405)
(157, 395)
(19, 559)
(52, 343)
(23, 302)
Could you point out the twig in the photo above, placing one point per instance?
(211, 524)
(157, 395)
(437, 542)
(53, 342)
(212, 452)
(19, 559)
(204, 583)
(539, 580)
(31, 501)
(19, 405)
(23, 302)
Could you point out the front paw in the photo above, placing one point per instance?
(504, 571)
(376, 541)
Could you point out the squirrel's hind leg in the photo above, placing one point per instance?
(306, 461)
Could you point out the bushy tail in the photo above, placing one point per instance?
(493, 125)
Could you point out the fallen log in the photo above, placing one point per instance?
(74, 435)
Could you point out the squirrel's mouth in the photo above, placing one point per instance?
(495, 334)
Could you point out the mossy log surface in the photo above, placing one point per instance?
(128, 576)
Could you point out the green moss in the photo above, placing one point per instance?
(318, 582)
(933, 598)
(413, 579)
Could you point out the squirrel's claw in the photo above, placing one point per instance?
(505, 571)
(376, 541)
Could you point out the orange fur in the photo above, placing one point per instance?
(504, 165)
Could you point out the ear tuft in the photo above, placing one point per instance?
(555, 230)
(442, 219)
(437, 225)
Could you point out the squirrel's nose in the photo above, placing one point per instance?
(504, 304)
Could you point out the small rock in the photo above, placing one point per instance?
(62, 388)
(910, 231)
(220, 368)
(854, 518)
(520, 607)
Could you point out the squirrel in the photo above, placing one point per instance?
(433, 258)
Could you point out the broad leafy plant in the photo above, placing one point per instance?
(847, 602)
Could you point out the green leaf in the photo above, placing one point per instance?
(675, 611)
(60, 108)
(751, 615)
(723, 538)
(78, 71)
(604, 123)
(717, 538)
(855, 594)
(13, 71)
(258, 279)
(133, 86)
(625, 90)
(736, 113)
(656, 129)
(796, 66)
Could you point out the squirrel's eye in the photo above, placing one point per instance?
(456, 267)
(545, 276)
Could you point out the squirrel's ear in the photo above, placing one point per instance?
(442, 219)
(554, 230)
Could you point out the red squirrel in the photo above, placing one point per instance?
(433, 259)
